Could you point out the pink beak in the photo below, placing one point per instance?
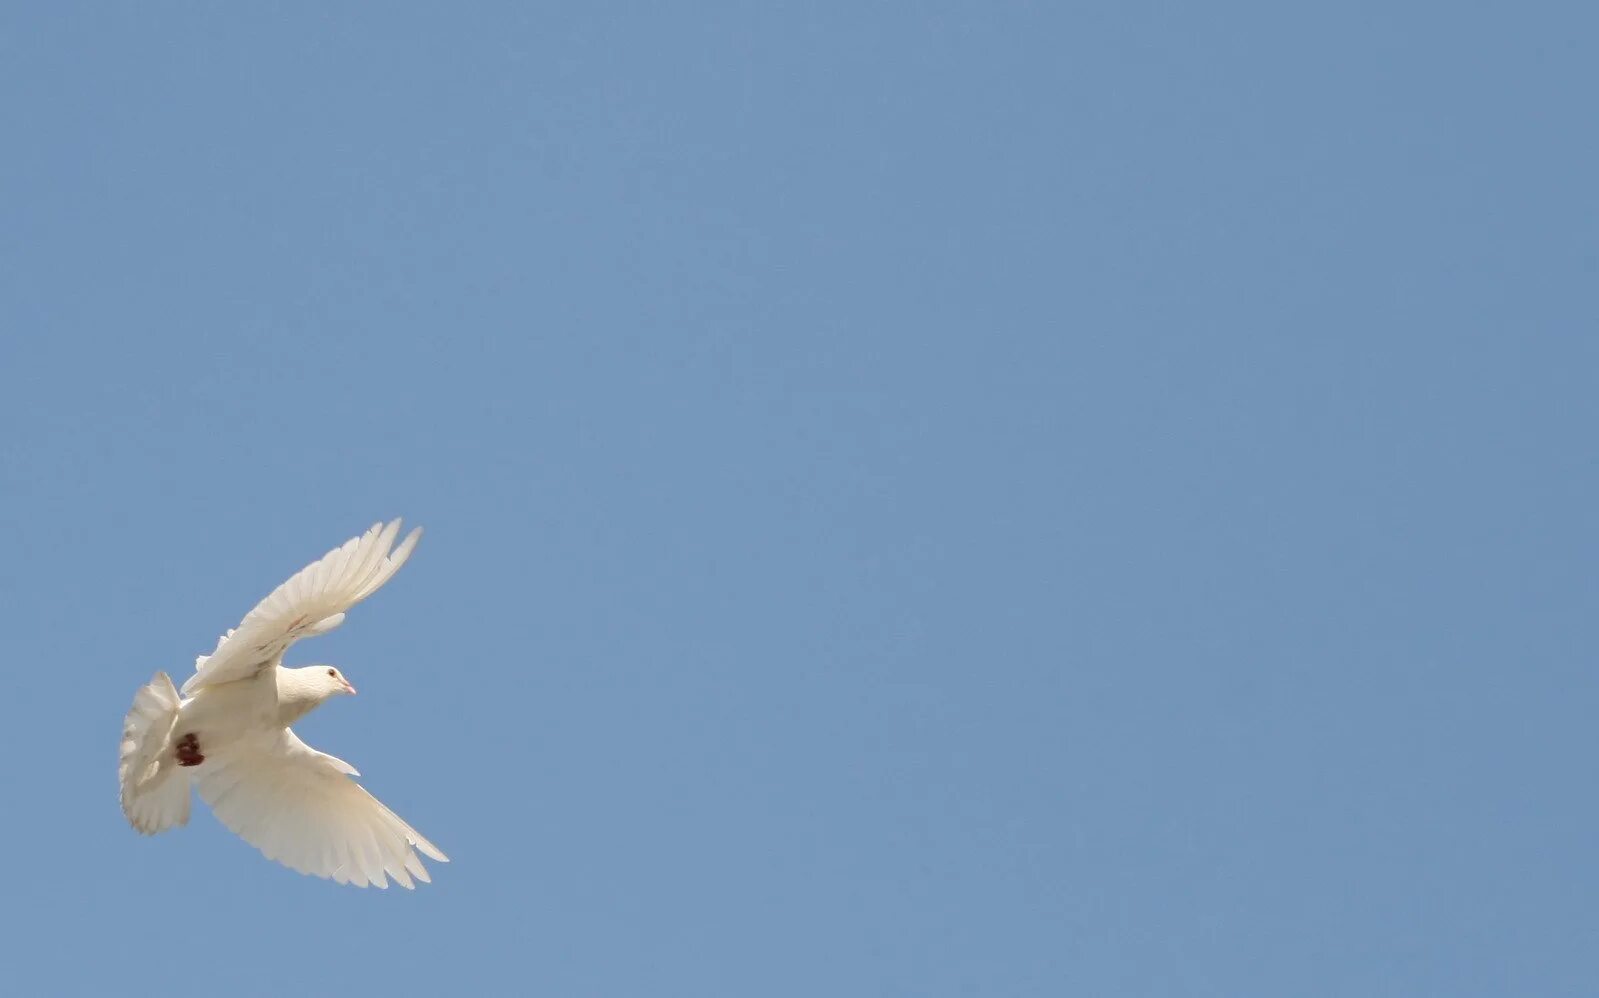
(347, 687)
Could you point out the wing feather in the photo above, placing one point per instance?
(299, 808)
(365, 560)
(313, 601)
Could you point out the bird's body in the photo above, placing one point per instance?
(220, 717)
(231, 738)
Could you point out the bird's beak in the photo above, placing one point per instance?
(347, 687)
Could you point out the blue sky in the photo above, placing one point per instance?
(927, 500)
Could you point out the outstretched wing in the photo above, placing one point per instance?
(312, 602)
(299, 807)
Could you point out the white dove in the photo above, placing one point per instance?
(229, 734)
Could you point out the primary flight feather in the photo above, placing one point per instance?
(228, 734)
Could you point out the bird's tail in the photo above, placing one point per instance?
(155, 797)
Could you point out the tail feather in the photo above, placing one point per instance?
(155, 797)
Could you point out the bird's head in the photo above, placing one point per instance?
(330, 682)
(303, 690)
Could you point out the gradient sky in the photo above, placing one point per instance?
(922, 500)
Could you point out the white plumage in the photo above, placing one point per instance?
(229, 735)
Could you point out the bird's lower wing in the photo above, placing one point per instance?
(300, 808)
(312, 602)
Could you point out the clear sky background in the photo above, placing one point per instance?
(921, 499)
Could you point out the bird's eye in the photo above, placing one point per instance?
(333, 672)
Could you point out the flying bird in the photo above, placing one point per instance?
(228, 734)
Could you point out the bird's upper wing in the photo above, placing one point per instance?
(299, 807)
(312, 602)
